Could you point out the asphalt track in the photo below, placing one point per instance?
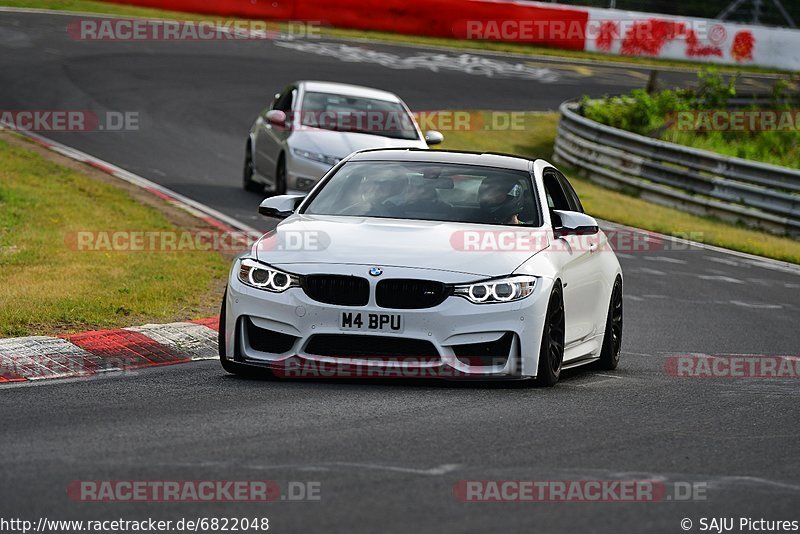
(388, 454)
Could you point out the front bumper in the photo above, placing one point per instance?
(301, 329)
(302, 174)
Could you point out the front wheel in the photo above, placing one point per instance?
(249, 170)
(612, 339)
(280, 177)
(551, 353)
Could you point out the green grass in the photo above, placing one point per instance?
(777, 148)
(48, 286)
(537, 139)
(664, 115)
(91, 6)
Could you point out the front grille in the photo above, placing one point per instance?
(371, 347)
(264, 340)
(409, 294)
(337, 289)
(485, 354)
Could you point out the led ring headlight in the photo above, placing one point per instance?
(261, 276)
(496, 291)
(483, 288)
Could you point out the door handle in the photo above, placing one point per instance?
(592, 248)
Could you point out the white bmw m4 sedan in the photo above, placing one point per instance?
(417, 263)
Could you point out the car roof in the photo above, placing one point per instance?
(348, 90)
(483, 159)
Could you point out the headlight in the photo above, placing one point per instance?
(260, 276)
(499, 290)
(314, 156)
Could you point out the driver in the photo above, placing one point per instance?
(501, 200)
(374, 192)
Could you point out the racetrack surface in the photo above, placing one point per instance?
(388, 453)
(197, 100)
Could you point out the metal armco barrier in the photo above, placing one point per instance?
(698, 181)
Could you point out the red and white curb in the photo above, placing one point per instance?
(35, 358)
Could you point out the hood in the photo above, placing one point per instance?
(473, 249)
(342, 144)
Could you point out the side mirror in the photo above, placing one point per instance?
(280, 206)
(432, 137)
(574, 223)
(276, 117)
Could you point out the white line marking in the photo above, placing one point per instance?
(654, 272)
(666, 259)
(724, 261)
(757, 306)
(720, 278)
(758, 261)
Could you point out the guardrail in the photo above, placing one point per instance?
(698, 181)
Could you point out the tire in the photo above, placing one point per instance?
(551, 353)
(280, 177)
(248, 171)
(612, 338)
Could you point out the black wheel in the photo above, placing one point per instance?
(612, 339)
(249, 169)
(551, 354)
(280, 177)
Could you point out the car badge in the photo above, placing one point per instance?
(375, 271)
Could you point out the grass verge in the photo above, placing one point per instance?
(47, 286)
(536, 139)
(684, 116)
(92, 6)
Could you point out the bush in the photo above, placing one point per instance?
(654, 114)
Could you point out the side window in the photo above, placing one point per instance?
(284, 102)
(556, 198)
(572, 196)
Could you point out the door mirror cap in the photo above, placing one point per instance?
(574, 223)
(280, 206)
(277, 118)
(432, 137)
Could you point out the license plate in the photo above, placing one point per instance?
(379, 322)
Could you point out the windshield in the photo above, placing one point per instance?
(428, 191)
(354, 114)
